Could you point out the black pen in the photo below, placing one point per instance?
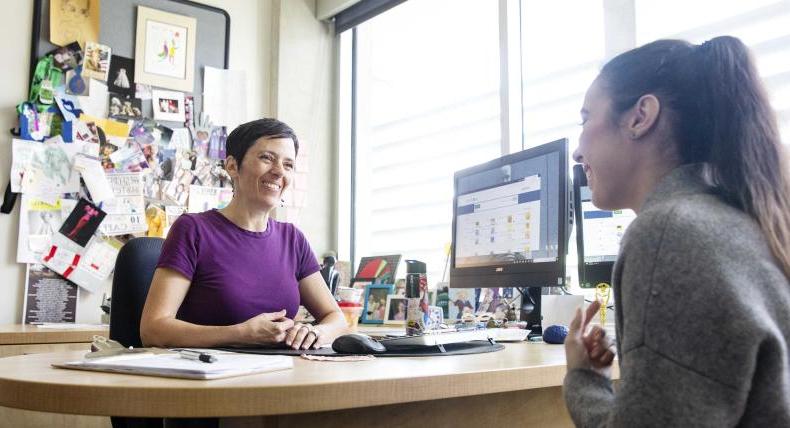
(197, 355)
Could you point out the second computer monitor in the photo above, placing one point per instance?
(598, 234)
(510, 220)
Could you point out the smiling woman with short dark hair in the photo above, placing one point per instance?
(236, 276)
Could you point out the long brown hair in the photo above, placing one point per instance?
(721, 116)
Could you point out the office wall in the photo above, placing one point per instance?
(256, 39)
(303, 98)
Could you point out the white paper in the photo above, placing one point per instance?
(203, 198)
(95, 178)
(44, 168)
(125, 212)
(70, 326)
(173, 365)
(95, 104)
(87, 267)
(22, 152)
(69, 106)
(180, 140)
(172, 213)
(99, 258)
(225, 96)
(39, 221)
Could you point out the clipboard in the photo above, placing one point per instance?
(170, 364)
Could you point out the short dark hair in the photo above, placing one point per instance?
(245, 135)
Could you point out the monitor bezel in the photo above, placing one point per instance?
(544, 274)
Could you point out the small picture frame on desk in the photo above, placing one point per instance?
(396, 310)
(375, 309)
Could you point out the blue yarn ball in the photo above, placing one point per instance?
(555, 334)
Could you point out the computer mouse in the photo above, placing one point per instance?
(356, 343)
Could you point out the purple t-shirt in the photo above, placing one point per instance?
(236, 274)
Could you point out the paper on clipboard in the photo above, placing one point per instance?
(172, 365)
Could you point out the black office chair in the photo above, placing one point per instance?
(330, 274)
(134, 270)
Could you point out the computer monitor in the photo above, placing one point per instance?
(510, 221)
(598, 234)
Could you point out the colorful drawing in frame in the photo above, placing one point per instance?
(396, 310)
(375, 308)
(165, 49)
(383, 269)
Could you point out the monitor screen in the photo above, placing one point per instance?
(510, 217)
(598, 234)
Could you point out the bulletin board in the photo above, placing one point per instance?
(117, 28)
(116, 175)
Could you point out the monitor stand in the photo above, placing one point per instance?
(530, 310)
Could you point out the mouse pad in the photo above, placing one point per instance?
(474, 347)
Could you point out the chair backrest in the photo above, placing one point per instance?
(134, 269)
(329, 273)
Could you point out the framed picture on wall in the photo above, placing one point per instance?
(165, 49)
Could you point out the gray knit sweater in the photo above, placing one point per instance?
(703, 320)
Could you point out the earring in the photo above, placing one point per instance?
(282, 202)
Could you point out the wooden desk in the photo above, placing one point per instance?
(19, 339)
(517, 385)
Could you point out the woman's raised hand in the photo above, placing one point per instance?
(593, 350)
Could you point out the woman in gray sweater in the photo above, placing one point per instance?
(684, 135)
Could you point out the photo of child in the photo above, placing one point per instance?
(376, 303)
(396, 309)
(67, 57)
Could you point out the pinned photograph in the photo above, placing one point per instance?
(97, 61)
(168, 106)
(76, 83)
(67, 57)
(82, 223)
(123, 108)
(121, 78)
